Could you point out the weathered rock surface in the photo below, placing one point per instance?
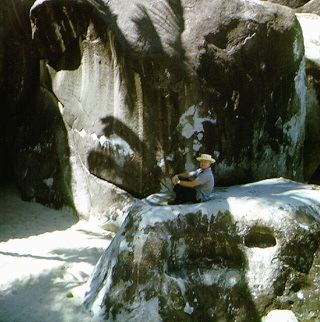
(250, 251)
(145, 86)
(128, 93)
(310, 24)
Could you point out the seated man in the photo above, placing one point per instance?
(196, 190)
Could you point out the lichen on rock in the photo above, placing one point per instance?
(244, 253)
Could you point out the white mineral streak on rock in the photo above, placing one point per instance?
(48, 182)
(124, 246)
(310, 24)
(139, 104)
(79, 185)
(232, 278)
(161, 163)
(181, 247)
(259, 275)
(61, 108)
(181, 285)
(37, 3)
(164, 214)
(190, 123)
(139, 243)
(148, 311)
(187, 123)
(280, 316)
(70, 25)
(58, 35)
(121, 146)
(212, 277)
(83, 133)
(103, 141)
(294, 128)
(188, 309)
(37, 148)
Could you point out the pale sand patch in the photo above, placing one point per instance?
(46, 257)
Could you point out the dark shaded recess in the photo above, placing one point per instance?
(148, 35)
(18, 81)
(71, 58)
(315, 178)
(203, 239)
(71, 17)
(250, 83)
(34, 130)
(42, 153)
(260, 239)
(211, 303)
(113, 172)
(299, 255)
(312, 146)
(210, 244)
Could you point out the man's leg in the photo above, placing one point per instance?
(184, 194)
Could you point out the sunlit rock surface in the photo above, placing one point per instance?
(310, 24)
(250, 250)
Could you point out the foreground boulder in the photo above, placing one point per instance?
(251, 250)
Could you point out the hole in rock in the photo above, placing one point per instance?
(260, 239)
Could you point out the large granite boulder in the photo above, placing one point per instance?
(250, 251)
(128, 93)
(143, 87)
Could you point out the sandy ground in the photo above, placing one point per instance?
(46, 257)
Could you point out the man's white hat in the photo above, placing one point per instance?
(206, 157)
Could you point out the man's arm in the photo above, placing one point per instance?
(175, 178)
(189, 184)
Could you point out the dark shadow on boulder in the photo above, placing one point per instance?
(191, 262)
(121, 160)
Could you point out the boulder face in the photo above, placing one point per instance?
(143, 87)
(107, 99)
(250, 251)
